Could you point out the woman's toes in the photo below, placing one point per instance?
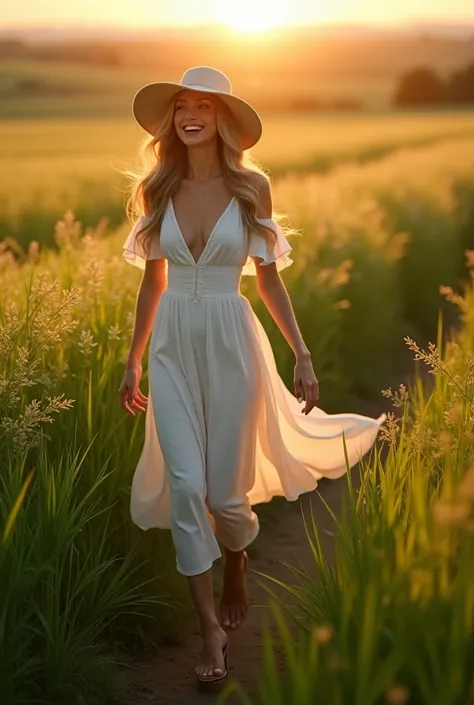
(236, 617)
(225, 616)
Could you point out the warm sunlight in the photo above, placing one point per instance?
(251, 16)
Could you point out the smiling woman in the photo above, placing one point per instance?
(249, 16)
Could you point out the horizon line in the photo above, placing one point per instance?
(399, 23)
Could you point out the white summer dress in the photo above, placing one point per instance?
(215, 396)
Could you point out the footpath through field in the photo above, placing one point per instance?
(168, 678)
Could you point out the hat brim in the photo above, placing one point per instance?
(151, 103)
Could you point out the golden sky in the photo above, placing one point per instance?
(251, 15)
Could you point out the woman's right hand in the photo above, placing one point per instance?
(130, 394)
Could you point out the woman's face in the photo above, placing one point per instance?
(195, 117)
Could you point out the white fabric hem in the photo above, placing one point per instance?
(134, 252)
(243, 546)
(198, 571)
(260, 248)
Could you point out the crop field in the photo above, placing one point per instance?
(48, 166)
(385, 207)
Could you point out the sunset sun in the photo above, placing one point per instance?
(251, 16)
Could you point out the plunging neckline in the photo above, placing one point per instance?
(206, 245)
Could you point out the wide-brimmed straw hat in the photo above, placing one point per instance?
(152, 101)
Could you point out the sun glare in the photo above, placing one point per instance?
(252, 16)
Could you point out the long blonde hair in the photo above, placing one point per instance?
(164, 165)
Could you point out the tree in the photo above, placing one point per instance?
(420, 86)
(461, 85)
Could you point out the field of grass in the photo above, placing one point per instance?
(390, 621)
(73, 90)
(379, 238)
(48, 166)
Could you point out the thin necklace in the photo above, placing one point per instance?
(201, 198)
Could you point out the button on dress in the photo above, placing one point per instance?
(222, 432)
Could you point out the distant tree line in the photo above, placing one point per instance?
(87, 52)
(423, 86)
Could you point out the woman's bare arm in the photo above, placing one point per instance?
(275, 297)
(151, 288)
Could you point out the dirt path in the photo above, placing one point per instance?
(168, 678)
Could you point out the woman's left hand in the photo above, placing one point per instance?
(306, 383)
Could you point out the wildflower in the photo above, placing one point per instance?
(130, 320)
(94, 276)
(430, 358)
(322, 635)
(445, 290)
(323, 275)
(86, 342)
(399, 397)
(390, 429)
(33, 251)
(114, 332)
(341, 275)
(25, 431)
(68, 231)
(343, 304)
(397, 695)
(453, 297)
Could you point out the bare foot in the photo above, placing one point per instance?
(211, 663)
(234, 603)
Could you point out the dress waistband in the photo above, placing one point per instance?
(203, 281)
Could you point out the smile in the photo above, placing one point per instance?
(190, 129)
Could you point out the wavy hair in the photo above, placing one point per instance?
(164, 165)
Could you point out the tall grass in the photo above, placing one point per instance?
(77, 570)
(390, 619)
(74, 570)
(62, 585)
(381, 238)
(50, 164)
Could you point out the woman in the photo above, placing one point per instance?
(222, 431)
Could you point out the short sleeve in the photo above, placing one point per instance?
(134, 252)
(260, 247)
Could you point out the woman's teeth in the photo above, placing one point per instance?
(192, 128)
